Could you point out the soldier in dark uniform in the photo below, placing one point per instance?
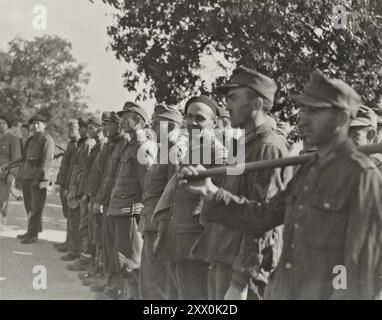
(180, 227)
(363, 130)
(85, 144)
(126, 199)
(166, 123)
(91, 187)
(237, 258)
(119, 140)
(9, 151)
(95, 132)
(38, 160)
(331, 209)
(63, 176)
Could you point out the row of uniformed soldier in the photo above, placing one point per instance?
(138, 229)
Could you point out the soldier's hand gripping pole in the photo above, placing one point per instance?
(271, 164)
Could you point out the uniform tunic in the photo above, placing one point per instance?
(237, 250)
(332, 212)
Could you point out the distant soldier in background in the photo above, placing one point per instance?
(63, 176)
(9, 151)
(39, 156)
(91, 187)
(95, 132)
(15, 128)
(85, 143)
(363, 130)
(119, 140)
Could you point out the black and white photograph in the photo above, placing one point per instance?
(187, 155)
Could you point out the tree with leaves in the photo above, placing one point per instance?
(43, 75)
(287, 40)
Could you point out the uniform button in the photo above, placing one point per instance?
(326, 205)
(288, 265)
(306, 188)
(292, 246)
(300, 207)
(296, 226)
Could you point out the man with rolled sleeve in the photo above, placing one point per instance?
(63, 176)
(126, 197)
(38, 160)
(166, 123)
(10, 150)
(331, 209)
(96, 133)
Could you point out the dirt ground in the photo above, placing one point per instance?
(35, 271)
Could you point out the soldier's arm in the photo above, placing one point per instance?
(262, 185)
(239, 213)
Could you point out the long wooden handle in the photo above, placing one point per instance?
(271, 164)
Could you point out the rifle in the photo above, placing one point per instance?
(20, 162)
(272, 164)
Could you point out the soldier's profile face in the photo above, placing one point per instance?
(113, 129)
(317, 126)
(239, 105)
(3, 126)
(105, 128)
(128, 122)
(83, 130)
(93, 130)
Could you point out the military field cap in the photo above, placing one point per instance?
(73, 123)
(106, 116)
(223, 113)
(95, 121)
(115, 118)
(323, 92)
(246, 77)
(365, 117)
(167, 112)
(134, 108)
(203, 99)
(82, 122)
(6, 119)
(38, 117)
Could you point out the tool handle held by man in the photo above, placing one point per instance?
(272, 164)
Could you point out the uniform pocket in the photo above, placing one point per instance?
(325, 223)
(186, 237)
